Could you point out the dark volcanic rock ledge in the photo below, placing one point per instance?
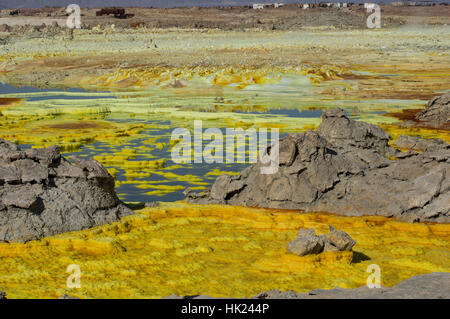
(345, 167)
(43, 194)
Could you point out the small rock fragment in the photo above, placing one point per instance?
(306, 243)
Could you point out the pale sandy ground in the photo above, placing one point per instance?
(417, 55)
(32, 21)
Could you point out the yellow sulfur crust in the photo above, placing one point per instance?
(218, 251)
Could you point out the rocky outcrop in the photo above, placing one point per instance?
(345, 167)
(2, 295)
(416, 144)
(437, 112)
(431, 286)
(43, 194)
(307, 242)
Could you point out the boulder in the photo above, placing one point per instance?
(437, 112)
(346, 167)
(2, 295)
(43, 194)
(307, 242)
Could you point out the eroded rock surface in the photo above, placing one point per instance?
(307, 242)
(437, 112)
(43, 194)
(345, 167)
(431, 286)
(417, 144)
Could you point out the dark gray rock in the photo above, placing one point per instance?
(2, 295)
(307, 242)
(341, 131)
(437, 112)
(43, 194)
(345, 167)
(431, 286)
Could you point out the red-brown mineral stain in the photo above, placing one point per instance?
(7, 101)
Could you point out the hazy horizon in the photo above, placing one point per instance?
(9, 4)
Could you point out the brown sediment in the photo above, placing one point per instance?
(75, 125)
(406, 115)
(7, 101)
(409, 116)
(354, 76)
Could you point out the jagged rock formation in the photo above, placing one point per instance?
(307, 242)
(431, 286)
(437, 112)
(345, 167)
(43, 194)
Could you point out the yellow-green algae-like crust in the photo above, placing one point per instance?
(218, 251)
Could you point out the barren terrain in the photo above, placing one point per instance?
(115, 89)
